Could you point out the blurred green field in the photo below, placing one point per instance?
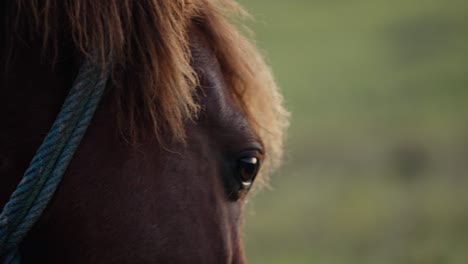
(377, 163)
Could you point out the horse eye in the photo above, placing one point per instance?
(247, 169)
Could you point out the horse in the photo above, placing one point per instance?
(190, 115)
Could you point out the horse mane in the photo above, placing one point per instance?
(147, 43)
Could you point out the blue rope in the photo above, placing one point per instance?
(51, 160)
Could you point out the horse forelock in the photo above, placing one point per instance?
(148, 45)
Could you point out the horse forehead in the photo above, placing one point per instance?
(213, 94)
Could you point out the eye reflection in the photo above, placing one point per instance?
(247, 170)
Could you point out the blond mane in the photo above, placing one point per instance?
(149, 49)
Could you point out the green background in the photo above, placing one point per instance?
(377, 155)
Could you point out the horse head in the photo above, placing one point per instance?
(190, 122)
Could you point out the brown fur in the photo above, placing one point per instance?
(148, 44)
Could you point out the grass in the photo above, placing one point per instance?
(376, 170)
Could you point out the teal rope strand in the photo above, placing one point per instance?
(51, 160)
